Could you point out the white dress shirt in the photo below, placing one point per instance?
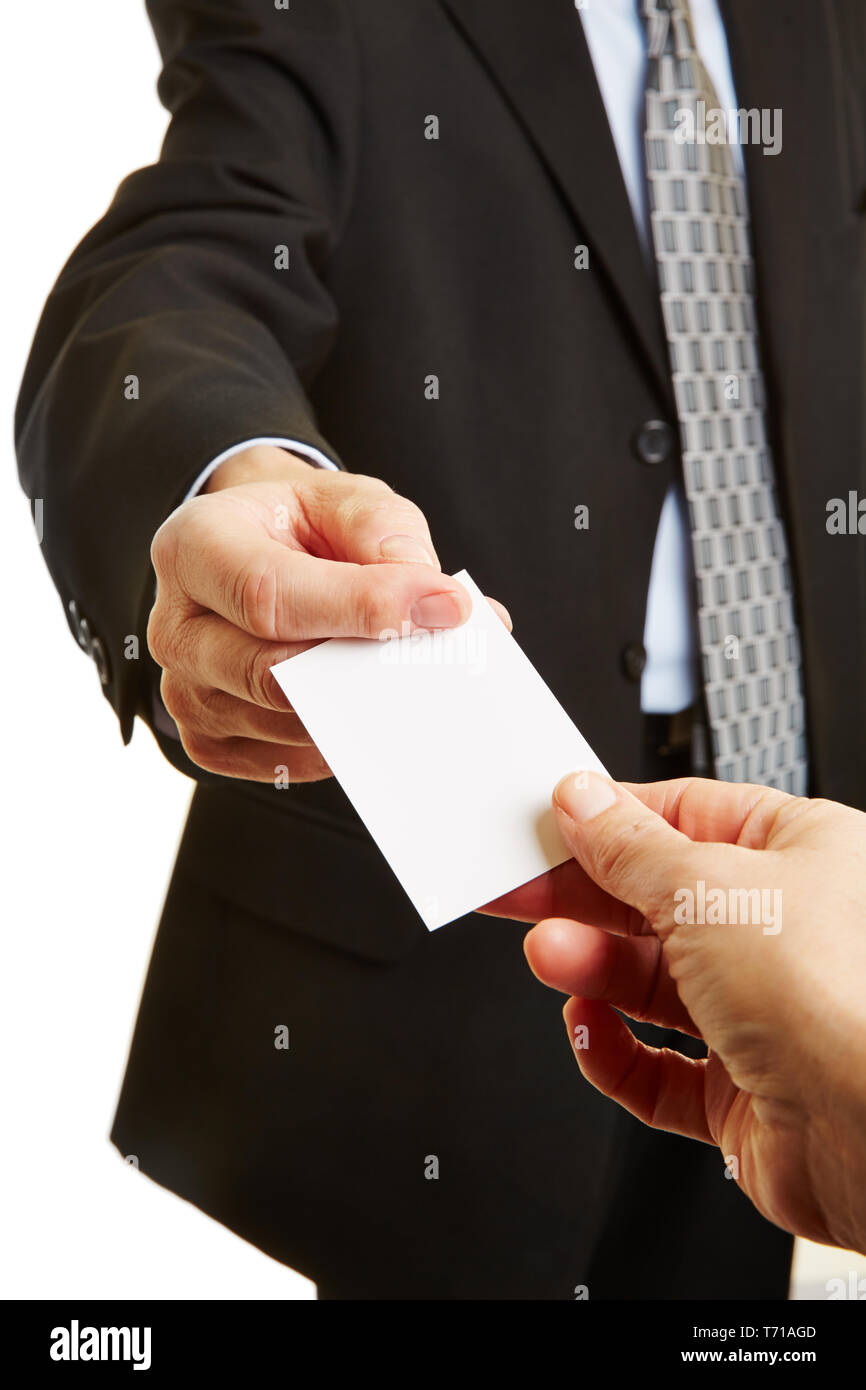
(617, 44)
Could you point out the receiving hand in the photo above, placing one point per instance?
(779, 998)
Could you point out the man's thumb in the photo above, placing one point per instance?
(628, 850)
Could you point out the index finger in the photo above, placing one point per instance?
(710, 812)
(567, 891)
(282, 595)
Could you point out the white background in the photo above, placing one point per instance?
(91, 828)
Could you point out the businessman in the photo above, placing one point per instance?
(419, 284)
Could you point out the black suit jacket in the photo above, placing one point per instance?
(408, 257)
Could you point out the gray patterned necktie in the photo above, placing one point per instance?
(700, 229)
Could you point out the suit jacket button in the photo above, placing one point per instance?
(80, 626)
(97, 651)
(634, 660)
(653, 442)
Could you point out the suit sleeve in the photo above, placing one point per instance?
(194, 315)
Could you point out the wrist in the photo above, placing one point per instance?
(834, 1094)
(260, 463)
(837, 1159)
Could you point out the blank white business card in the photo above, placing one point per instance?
(448, 745)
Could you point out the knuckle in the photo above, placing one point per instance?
(373, 610)
(158, 636)
(213, 710)
(164, 548)
(368, 485)
(185, 643)
(358, 508)
(198, 749)
(628, 860)
(254, 600)
(409, 509)
(257, 679)
(210, 754)
(615, 856)
(366, 500)
(175, 697)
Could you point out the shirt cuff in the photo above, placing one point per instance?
(294, 446)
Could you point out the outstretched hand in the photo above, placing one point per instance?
(735, 914)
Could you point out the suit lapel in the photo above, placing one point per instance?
(539, 57)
